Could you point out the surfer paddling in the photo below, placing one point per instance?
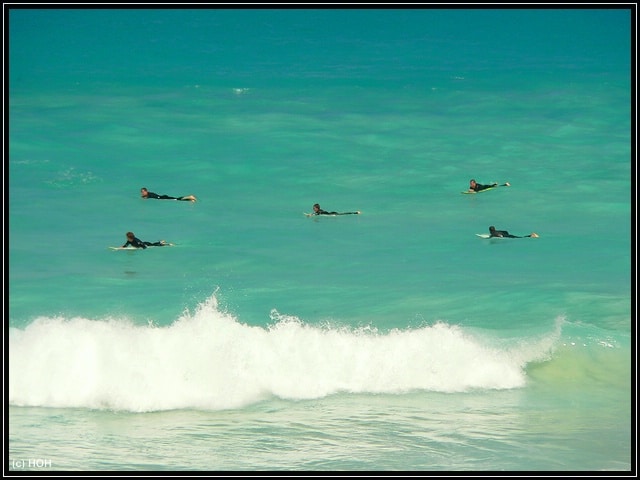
(144, 193)
(504, 234)
(477, 187)
(135, 242)
(319, 211)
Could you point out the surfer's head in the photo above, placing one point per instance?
(130, 236)
(144, 192)
(492, 229)
(316, 207)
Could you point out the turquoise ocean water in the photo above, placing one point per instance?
(394, 340)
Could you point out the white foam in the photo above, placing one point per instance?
(208, 359)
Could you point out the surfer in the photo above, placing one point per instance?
(133, 241)
(147, 194)
(318, 211)
(504, 234)
(476, 187)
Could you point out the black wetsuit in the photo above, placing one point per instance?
(323, 212)
(502, 233)
(164, 197)
(137, 243)
(505, 234)
(479, 187)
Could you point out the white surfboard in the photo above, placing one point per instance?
(136, 248)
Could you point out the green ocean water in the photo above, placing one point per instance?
(265, 340)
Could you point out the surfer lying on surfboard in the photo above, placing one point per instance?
(318, 211)
(144, 193)
(135, 242)
(504, 234)
(477, 187)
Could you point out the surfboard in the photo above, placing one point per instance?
(148, 246)
(486, 236)
(319, 216)
(481, 191)
(330, 215)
